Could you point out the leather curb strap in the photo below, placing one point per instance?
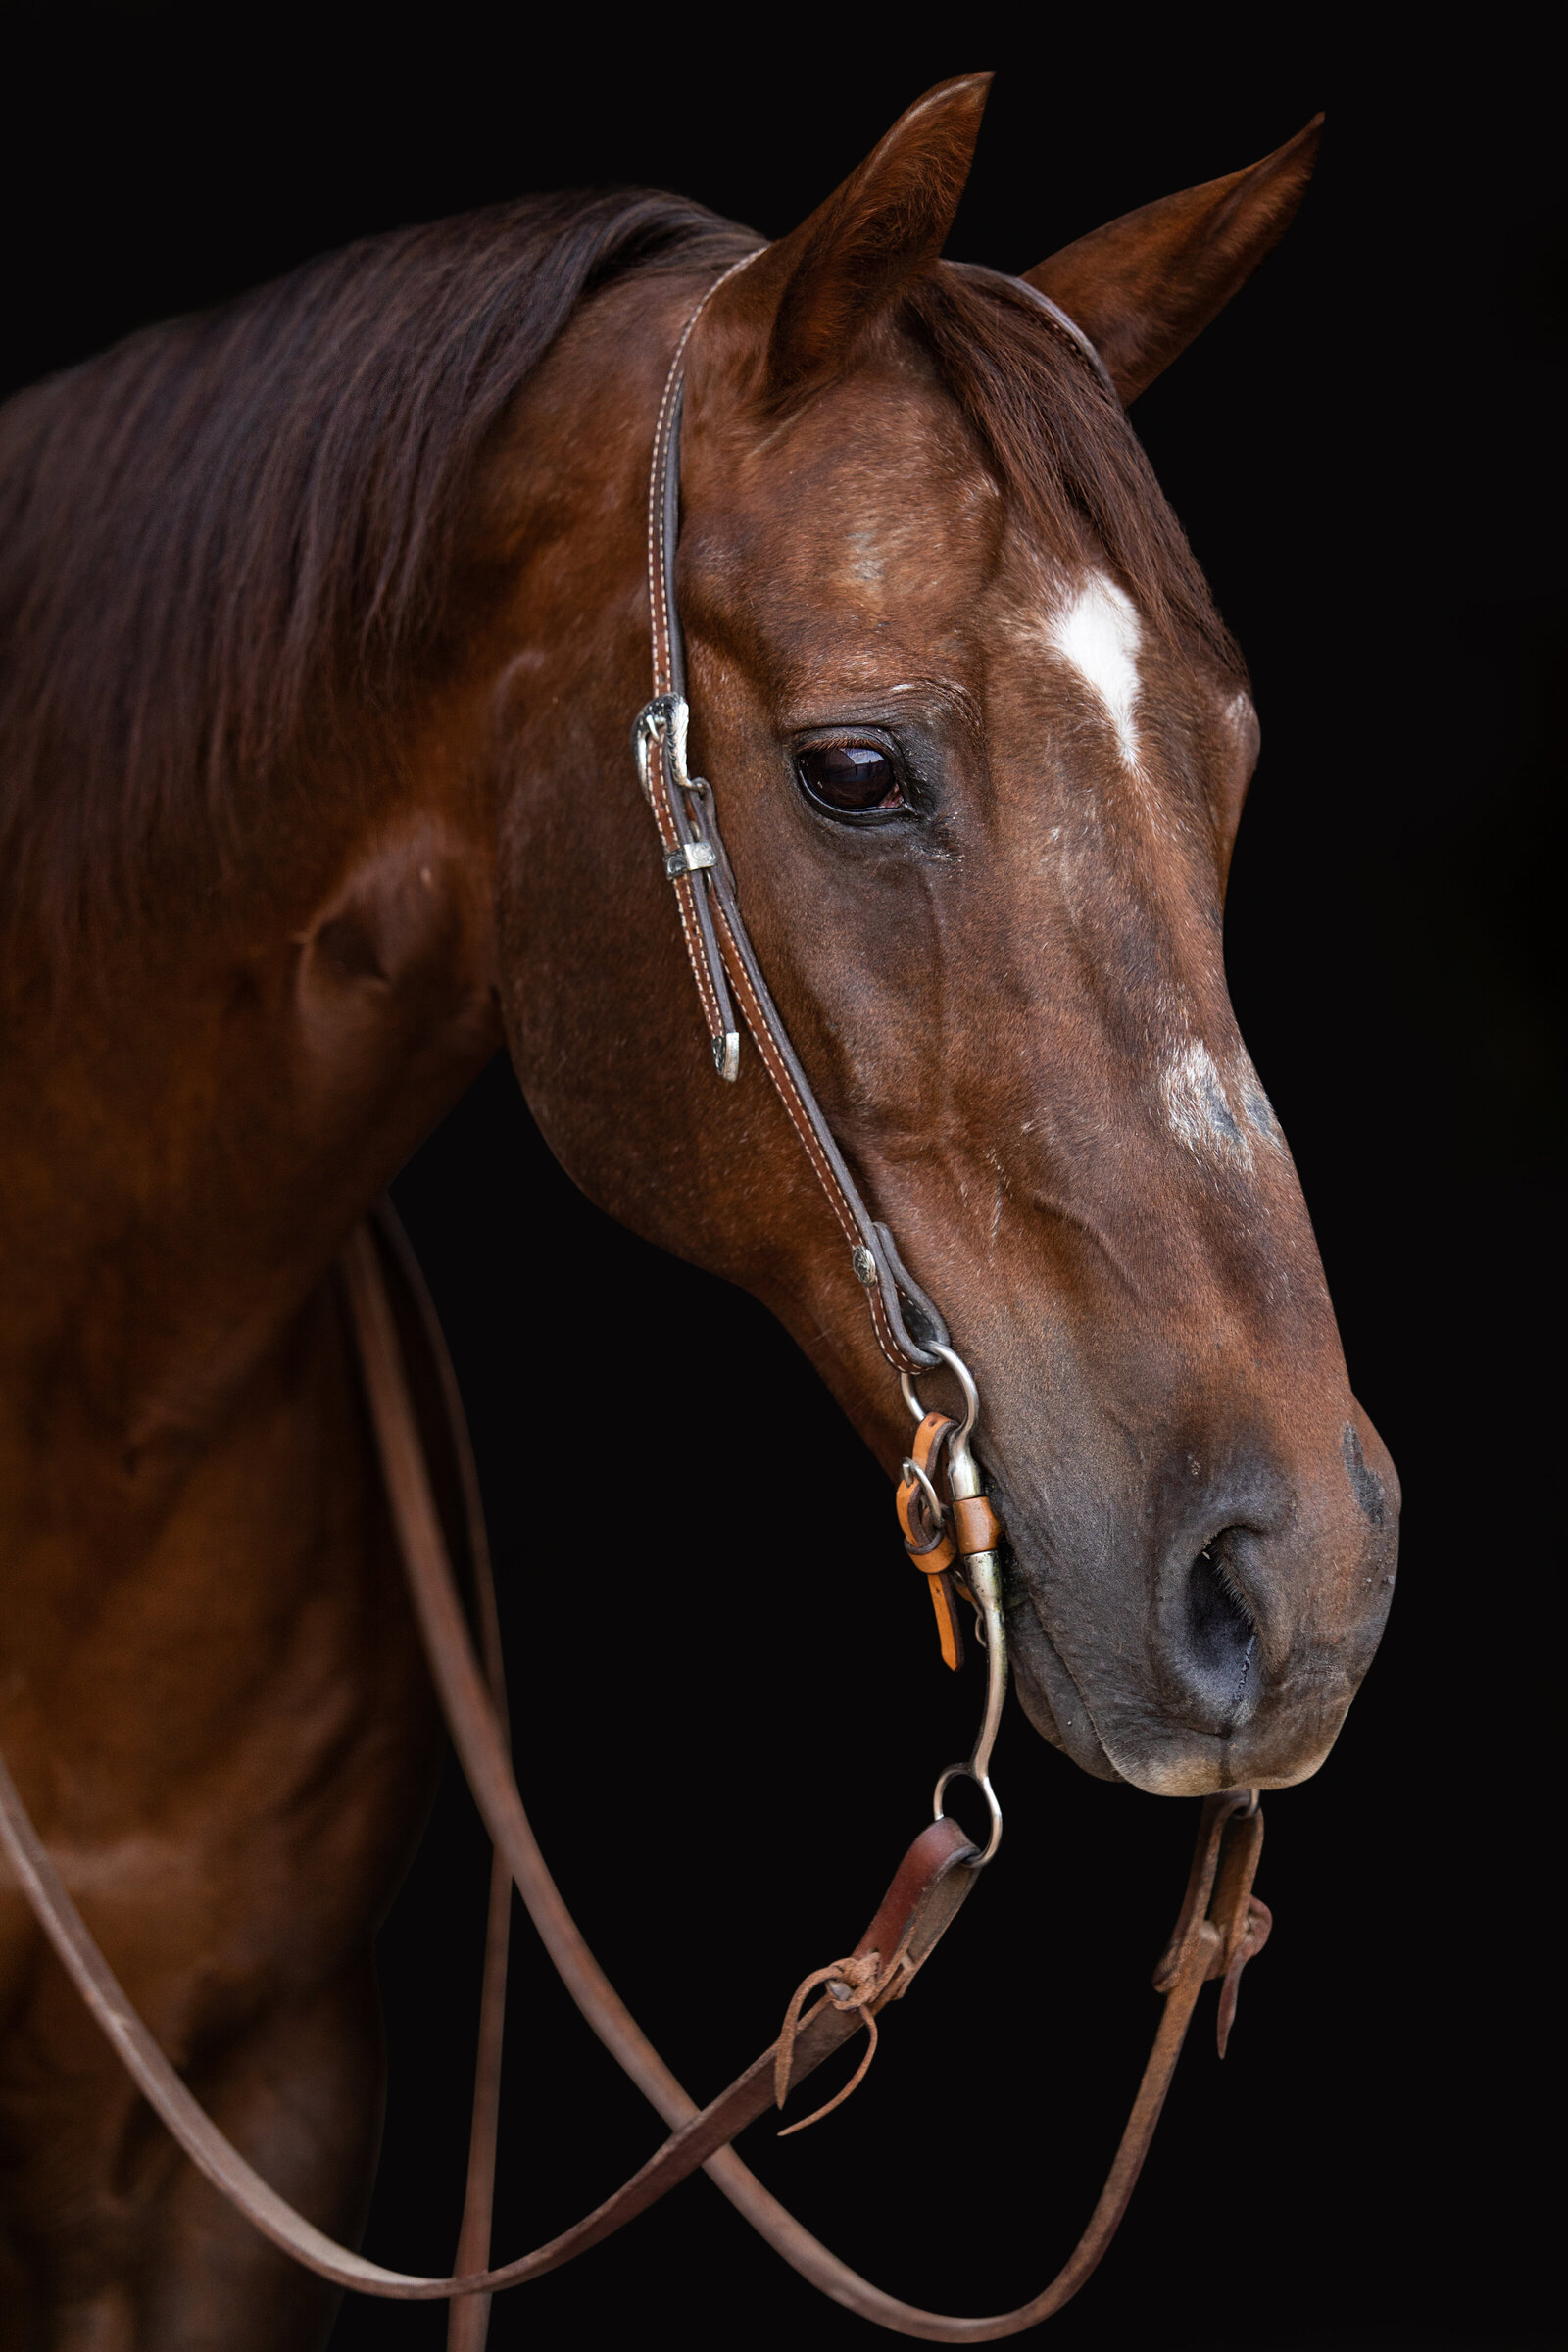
(925, 1536)
(1220, 1927)
(936, 1538)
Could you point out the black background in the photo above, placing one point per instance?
(1361, 449)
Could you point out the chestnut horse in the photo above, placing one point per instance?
(325, 620)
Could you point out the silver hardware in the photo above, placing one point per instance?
(966, 1772)
(864, 1265)
(972, 1398)
(980, 1575)
(727, 1056)
(690, 859)
(971, 1404)
(663, 719)
(983, 1578)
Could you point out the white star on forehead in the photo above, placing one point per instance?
(1097, 631)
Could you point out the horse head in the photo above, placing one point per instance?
(979, 747)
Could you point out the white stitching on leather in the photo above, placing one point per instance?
(657, 616)
(687, 886)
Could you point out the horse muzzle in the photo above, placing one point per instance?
(1189, 1640)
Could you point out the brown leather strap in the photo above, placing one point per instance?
(1216, 1932)
(722, 958)
(468, 2316)
(913, 1914)
(1243, 1921)
(717, 945)
(918, 1906)
(975, 1524)
(934, 1878)
(1196, 1949)
(1196, 1953)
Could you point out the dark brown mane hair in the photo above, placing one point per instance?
(219, 532)
(230, 535)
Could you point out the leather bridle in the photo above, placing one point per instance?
(908, 1327)
(952, 1536)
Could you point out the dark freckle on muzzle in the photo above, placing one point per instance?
(1367, 1485)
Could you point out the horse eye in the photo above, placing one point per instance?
(851, 778)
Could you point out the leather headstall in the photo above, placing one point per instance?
(908, 1327)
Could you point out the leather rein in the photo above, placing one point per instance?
(951, 1533)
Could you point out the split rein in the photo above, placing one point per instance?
(951, 1533)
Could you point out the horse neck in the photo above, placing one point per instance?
(217, 1094)
(211, 1100)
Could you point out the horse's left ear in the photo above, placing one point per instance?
(819, 290)
(1143, 286)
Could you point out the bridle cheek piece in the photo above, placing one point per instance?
(949, 1532)
(909, 1330)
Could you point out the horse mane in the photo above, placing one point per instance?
(229, 534)
(210, 532)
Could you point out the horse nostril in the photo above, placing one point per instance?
(1223, 1636)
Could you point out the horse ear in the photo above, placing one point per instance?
(1143, 286)
(829, 281)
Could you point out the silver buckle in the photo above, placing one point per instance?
(663, 719)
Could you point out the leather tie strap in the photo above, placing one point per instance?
(926, 1539)
(937, 1873)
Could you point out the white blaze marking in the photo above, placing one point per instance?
(1098, 633)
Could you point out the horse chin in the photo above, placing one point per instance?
(1192, 1765)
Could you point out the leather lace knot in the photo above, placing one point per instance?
(851, 1984)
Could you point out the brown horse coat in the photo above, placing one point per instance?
(325, 623)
